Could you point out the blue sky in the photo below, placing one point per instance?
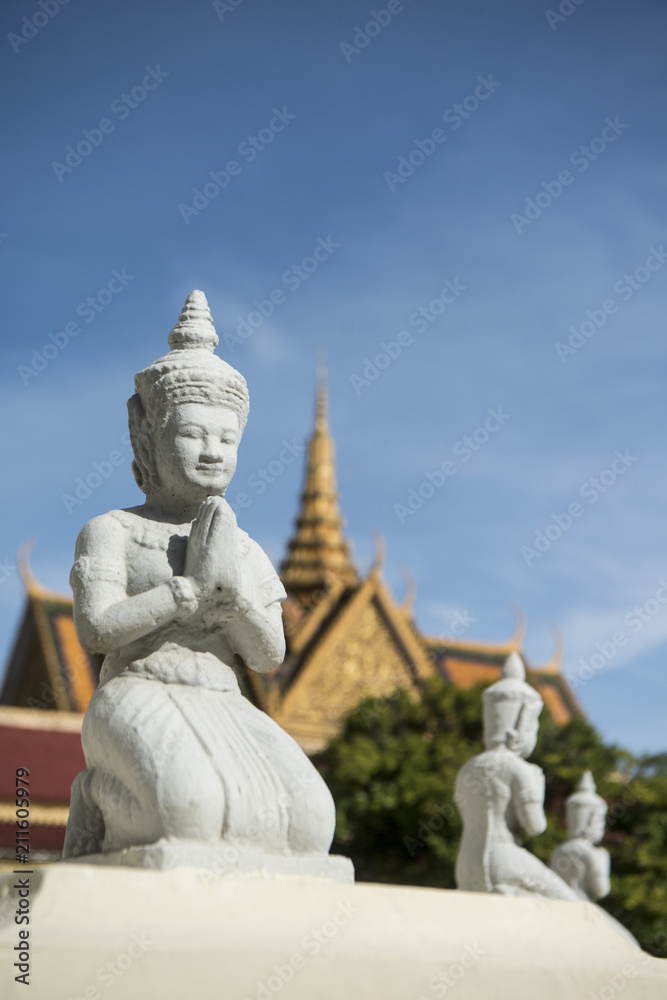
(541, 201)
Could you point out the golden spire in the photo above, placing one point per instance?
(317, 554)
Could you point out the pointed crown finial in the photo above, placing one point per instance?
(194, 329)
(587, 783)
(584, 807)
(514, 668)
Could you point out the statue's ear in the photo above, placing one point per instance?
(143, 466)
(513, 740)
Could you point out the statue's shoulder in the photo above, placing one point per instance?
(104, 529)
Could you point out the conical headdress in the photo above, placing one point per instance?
(509, 701)
(583, 806)
(190, 373)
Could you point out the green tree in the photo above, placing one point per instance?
(392, 771)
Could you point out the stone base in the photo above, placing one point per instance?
(225, 860)
(177, 934)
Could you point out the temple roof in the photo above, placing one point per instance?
(466, 663)
(47, 668)
(318, 554)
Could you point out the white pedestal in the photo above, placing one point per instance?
(224, 860)
(98, 932)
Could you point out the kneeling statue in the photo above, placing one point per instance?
(498, 794)
(578, 861)
(175, 595)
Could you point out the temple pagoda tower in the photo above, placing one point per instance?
(318, 555)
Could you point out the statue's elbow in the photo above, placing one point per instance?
(274, 657)
(271, 656)
(534, 821)
(600, 888)
(89, 634)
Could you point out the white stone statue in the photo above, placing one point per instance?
(578, 861)
(582, 865)
(171, 592)
(498, 794)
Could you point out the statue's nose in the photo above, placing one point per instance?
(211, 450)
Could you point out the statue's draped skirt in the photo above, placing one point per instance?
(167, 758)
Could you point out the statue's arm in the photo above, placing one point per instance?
(528, 788)
(255, 630)
(104, 616)
(256, 633)
(598, 883)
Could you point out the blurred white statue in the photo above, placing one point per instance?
(499, 794)
(578, 861)
(582, 865)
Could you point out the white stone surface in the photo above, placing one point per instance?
(182, 934)
(499, 795)
(171, 592)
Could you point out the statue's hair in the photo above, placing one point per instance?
(142, 438)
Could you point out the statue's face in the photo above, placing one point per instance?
(597, 825)
(529, 731)
(196, 451)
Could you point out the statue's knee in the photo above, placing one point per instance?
(313, 818)
(190, 801)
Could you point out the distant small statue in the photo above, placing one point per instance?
(499, 794)
(578, 861)
(174, 593)
(583, 866)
